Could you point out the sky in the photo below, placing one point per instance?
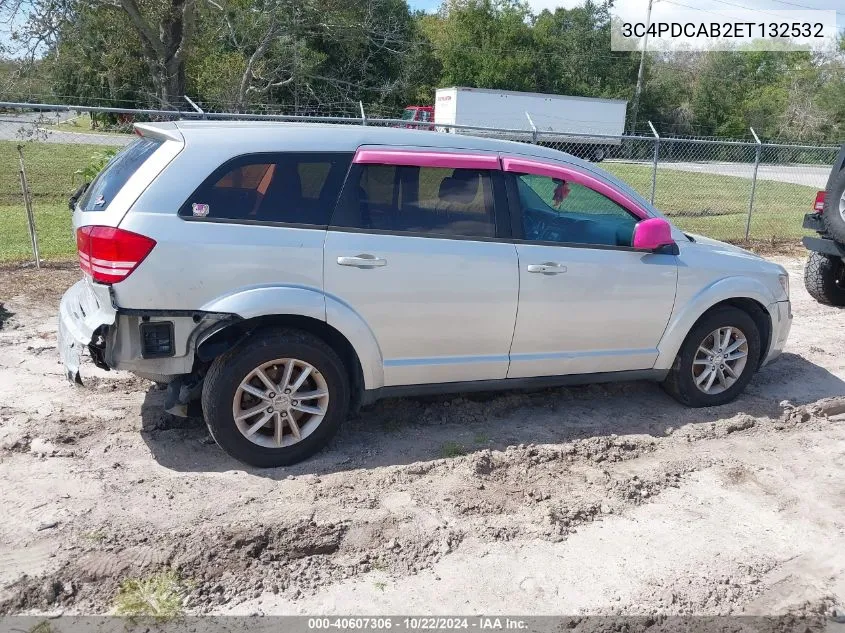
(709, 6)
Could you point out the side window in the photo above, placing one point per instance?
(555, 210)
(297, 188)
(427, 200)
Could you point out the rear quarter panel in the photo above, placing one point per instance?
(194, 263)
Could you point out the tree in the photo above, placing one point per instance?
(162, 28)
(308, 53)
(96, 61)
(486, 44)
(573, 47)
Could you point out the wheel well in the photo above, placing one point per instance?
(757, 312)
(227, 338)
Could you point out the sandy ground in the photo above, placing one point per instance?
(595, 500)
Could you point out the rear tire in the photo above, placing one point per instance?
(598, 154)
(833, 213)
(681, 381)
(291, 434)
(824, 278)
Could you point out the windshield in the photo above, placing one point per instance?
(116, 173)
(408, 114)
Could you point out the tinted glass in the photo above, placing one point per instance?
(296, 188)
(555, 210)
(116, 173)
(428, 200)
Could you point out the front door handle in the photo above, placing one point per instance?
(547, 268)
(364, 260)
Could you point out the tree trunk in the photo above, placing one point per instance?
(164, 51)
(172, 90)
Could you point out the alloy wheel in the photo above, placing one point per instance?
(280, 403)
(720, 360)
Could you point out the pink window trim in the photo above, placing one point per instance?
(561, 172)
(415, 158)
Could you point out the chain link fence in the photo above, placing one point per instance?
(737, 191)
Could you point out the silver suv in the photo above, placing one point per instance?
(284, 274)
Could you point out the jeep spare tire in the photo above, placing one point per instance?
(834, 208)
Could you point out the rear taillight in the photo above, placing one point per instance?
(110, 254)
(818, 205)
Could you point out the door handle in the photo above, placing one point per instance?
(547, 268)
(364, 260)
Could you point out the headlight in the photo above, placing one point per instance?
(784, 283)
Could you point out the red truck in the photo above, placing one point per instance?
(419, 113)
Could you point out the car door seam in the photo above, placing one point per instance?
(671, 311)
(516, 314)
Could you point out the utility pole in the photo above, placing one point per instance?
(639, 87)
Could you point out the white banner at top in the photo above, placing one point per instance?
(673, 28)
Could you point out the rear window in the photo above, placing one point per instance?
(117, 172)
(291, 187)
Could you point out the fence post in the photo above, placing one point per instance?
(654, 162)
(30, 217)
(194, 106)
(363, 114)
(753, 183)
(533, 128)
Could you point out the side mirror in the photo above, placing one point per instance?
(654, 234)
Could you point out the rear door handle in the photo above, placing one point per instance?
(547, 268)
(364, 260)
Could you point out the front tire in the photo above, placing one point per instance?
(717, 360)
(824, 279)
(276, 399)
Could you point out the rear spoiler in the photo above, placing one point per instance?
(838, 165)
(164, 131)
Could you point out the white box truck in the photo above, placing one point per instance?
(583, 122)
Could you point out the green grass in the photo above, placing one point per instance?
(53, 225)
(709, 204)
(82, 125)
(481, 438)
(157, 596)
(717, 206)
(50, 174)
(452, 449)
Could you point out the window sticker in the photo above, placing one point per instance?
(200, 209)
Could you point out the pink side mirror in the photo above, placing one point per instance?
(651, 234)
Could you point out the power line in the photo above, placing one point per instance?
(804, 6)
(740, 6)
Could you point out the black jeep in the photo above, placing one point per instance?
(824, 276)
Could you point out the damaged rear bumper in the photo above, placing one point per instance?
(85, 310)
(115, 337)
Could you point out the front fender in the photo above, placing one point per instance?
(309, 302)
(685, 316)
